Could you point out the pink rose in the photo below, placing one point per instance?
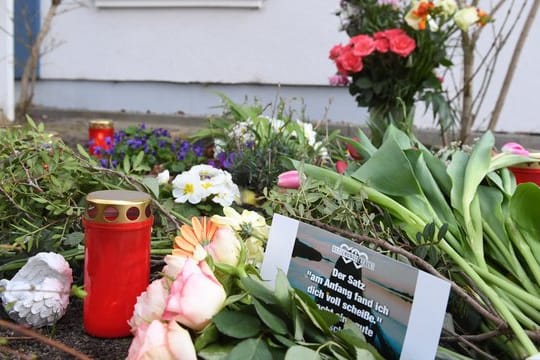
(381, 42)
(195, 296)
(150, 304)
(174, 264)
(402, 45)
(335, 51)
(347, 63)
(224, 247)
(289, 180)
(362, 45)
(162, 341)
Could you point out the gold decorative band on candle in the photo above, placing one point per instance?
(100, 124)
(117, 207)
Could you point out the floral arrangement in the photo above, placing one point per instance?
(141, 150)
(252, 145)
(210, 303)
(394, 53)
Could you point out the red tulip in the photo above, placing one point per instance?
(341, 166)
(352, 151)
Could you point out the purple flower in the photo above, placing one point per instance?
(162, 144)
(338, 80)
(198, 150)
(388, 2)
(104, 163)
(143, 126)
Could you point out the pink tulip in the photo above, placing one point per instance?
(341, 166)
(515, 148)
(150, 304)
(195, 296)
(162, 341)
(289, 180)
(224, 247)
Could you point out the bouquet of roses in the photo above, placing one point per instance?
(211, 304)
(394, 51)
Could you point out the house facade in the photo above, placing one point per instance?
(174, 56)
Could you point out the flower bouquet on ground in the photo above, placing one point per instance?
(251, 145)
(210, 303)
(394, 53)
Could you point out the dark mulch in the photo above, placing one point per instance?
(69, 331)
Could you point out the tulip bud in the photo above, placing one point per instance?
(289, 180)
(341, 166)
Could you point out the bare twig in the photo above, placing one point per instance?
(513, 65)
(43, 339)
(473, 346)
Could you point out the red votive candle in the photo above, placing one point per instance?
(117, 229)
(100, 136)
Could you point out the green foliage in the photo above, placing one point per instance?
(140, 150)
(253, 147)
(43, 187)
(280, 323)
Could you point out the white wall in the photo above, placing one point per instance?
(285, 42)
(6, 60)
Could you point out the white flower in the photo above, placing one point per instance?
(219, 146)
(466, 17)
(309, 134)
(448, 7)
(242, 132)
(187, 187)
(150, 304)
(247, 224)
(163, 177)
(204, 171)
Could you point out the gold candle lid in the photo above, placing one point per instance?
(101, 124)
(117, 206)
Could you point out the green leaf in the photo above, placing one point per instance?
(237, 324)
(209, 335)
(126, 165)
(138, 159)
(322, 319)
(524, 209)
(283, 291)
(274, 322)
(73, 239)
(251, 349)
(216, 351)
(301, 353)
(259, 290)
(151, 184)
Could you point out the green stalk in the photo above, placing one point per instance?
(525, 320)
(524, 249)
(510, 287)
(492, 295)
(531, 312)
(513, 263)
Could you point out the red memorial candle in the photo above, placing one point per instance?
(117, 228)
(100, 136)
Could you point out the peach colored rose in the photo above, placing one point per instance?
(174, 264)
(162, 341)
(195, 296)
(224, 247)
(150, 304)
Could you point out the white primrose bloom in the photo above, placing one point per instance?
(187, 187)
(219, 146)
(204, 181)
(163, 177)
(276, 124)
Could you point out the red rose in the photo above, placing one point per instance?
(390, 33)
(402, 45)
(347, 62)
(335, 52)
(381, 42)
(362, 45)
